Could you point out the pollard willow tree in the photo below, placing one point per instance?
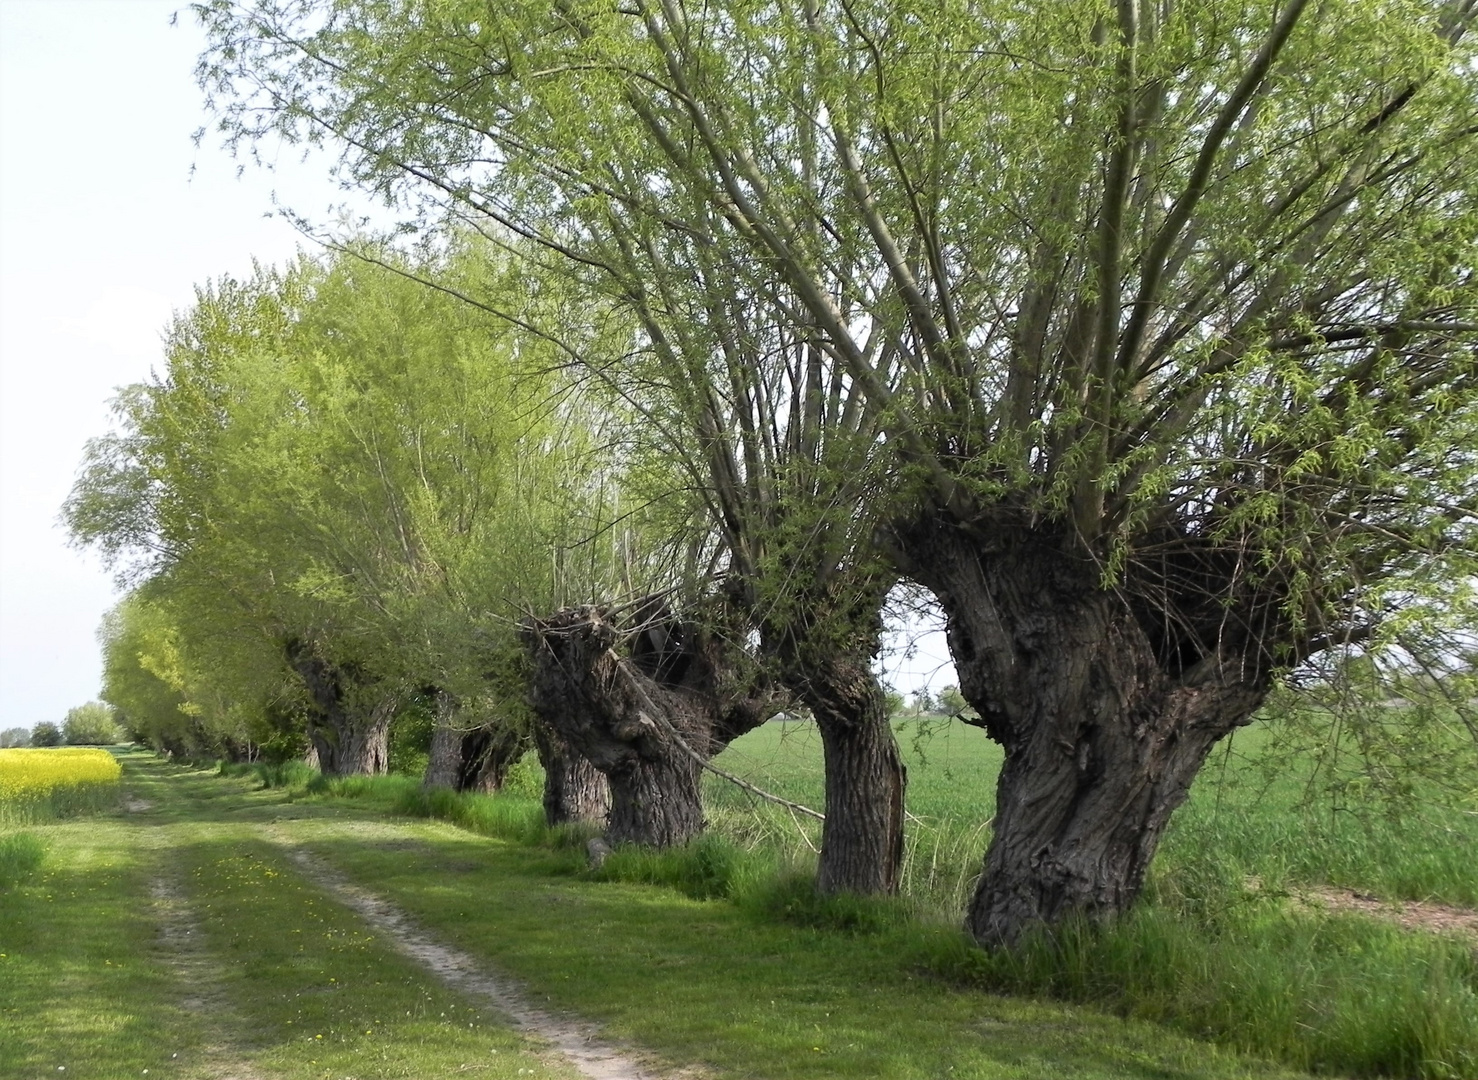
(352, 468)
(1176, 304)
(775, 454)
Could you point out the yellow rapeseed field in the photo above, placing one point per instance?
(37, 775)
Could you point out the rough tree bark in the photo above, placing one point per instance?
(444, 761)
(469, 758)
(830, 671)
(348, 739)
(574, 789)
(1106, 707)
(862, 837)
(645, 706)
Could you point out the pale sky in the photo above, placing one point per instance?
(109, 217)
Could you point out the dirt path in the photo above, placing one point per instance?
(578, 1042)
(1412, 914)
(181, 946)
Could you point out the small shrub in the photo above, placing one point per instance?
(285, 774)
(525, 778)
(709, 868)
(791, 896)
(20, 857)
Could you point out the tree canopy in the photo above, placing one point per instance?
(344, 474)
(1151, 328)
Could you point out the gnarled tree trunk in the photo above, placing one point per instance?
(488, 753)
(862, 837)
(444, 761)
(470, 758)
(574, 789)
(1106, 714)
(646, 706)
(827, 664)
(348, 738)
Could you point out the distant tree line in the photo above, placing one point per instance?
(92, 724)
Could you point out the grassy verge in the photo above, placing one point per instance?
(699, 982)
(1323, 992)
(319, 995)
(280, 981)
(708, 982)
(82, 993)
(20, 857)
(1220, 949)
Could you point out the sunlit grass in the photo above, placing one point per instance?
(20, 857)
(1221, 947)
(1217, 949)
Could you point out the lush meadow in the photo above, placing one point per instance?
(1234, 941)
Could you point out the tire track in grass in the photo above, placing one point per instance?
(579, 1043)
(182, 947)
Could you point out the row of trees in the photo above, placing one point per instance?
(92, 724)
(333, 506)
(1142, 336)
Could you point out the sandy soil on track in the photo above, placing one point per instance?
(1412, 914)
(579, 1043)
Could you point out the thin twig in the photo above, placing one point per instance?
(699, 758)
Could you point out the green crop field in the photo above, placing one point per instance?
(1250, 816)
(1234, 939)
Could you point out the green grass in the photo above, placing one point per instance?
(705, 982)
(951, 796)
(1328, 993)
(293, 984)
(1218, 950)
(721, 954)
(710, 982)
(80, 987)
(1256, 813)
(20, 857)
(1249, 815)
(317, 994)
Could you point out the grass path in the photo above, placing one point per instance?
(221, 933)
(577, 1042)
(181, 949)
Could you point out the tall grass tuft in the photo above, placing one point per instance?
(272, 774)
(39, 785)
(1323, 993)
(20, 857)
